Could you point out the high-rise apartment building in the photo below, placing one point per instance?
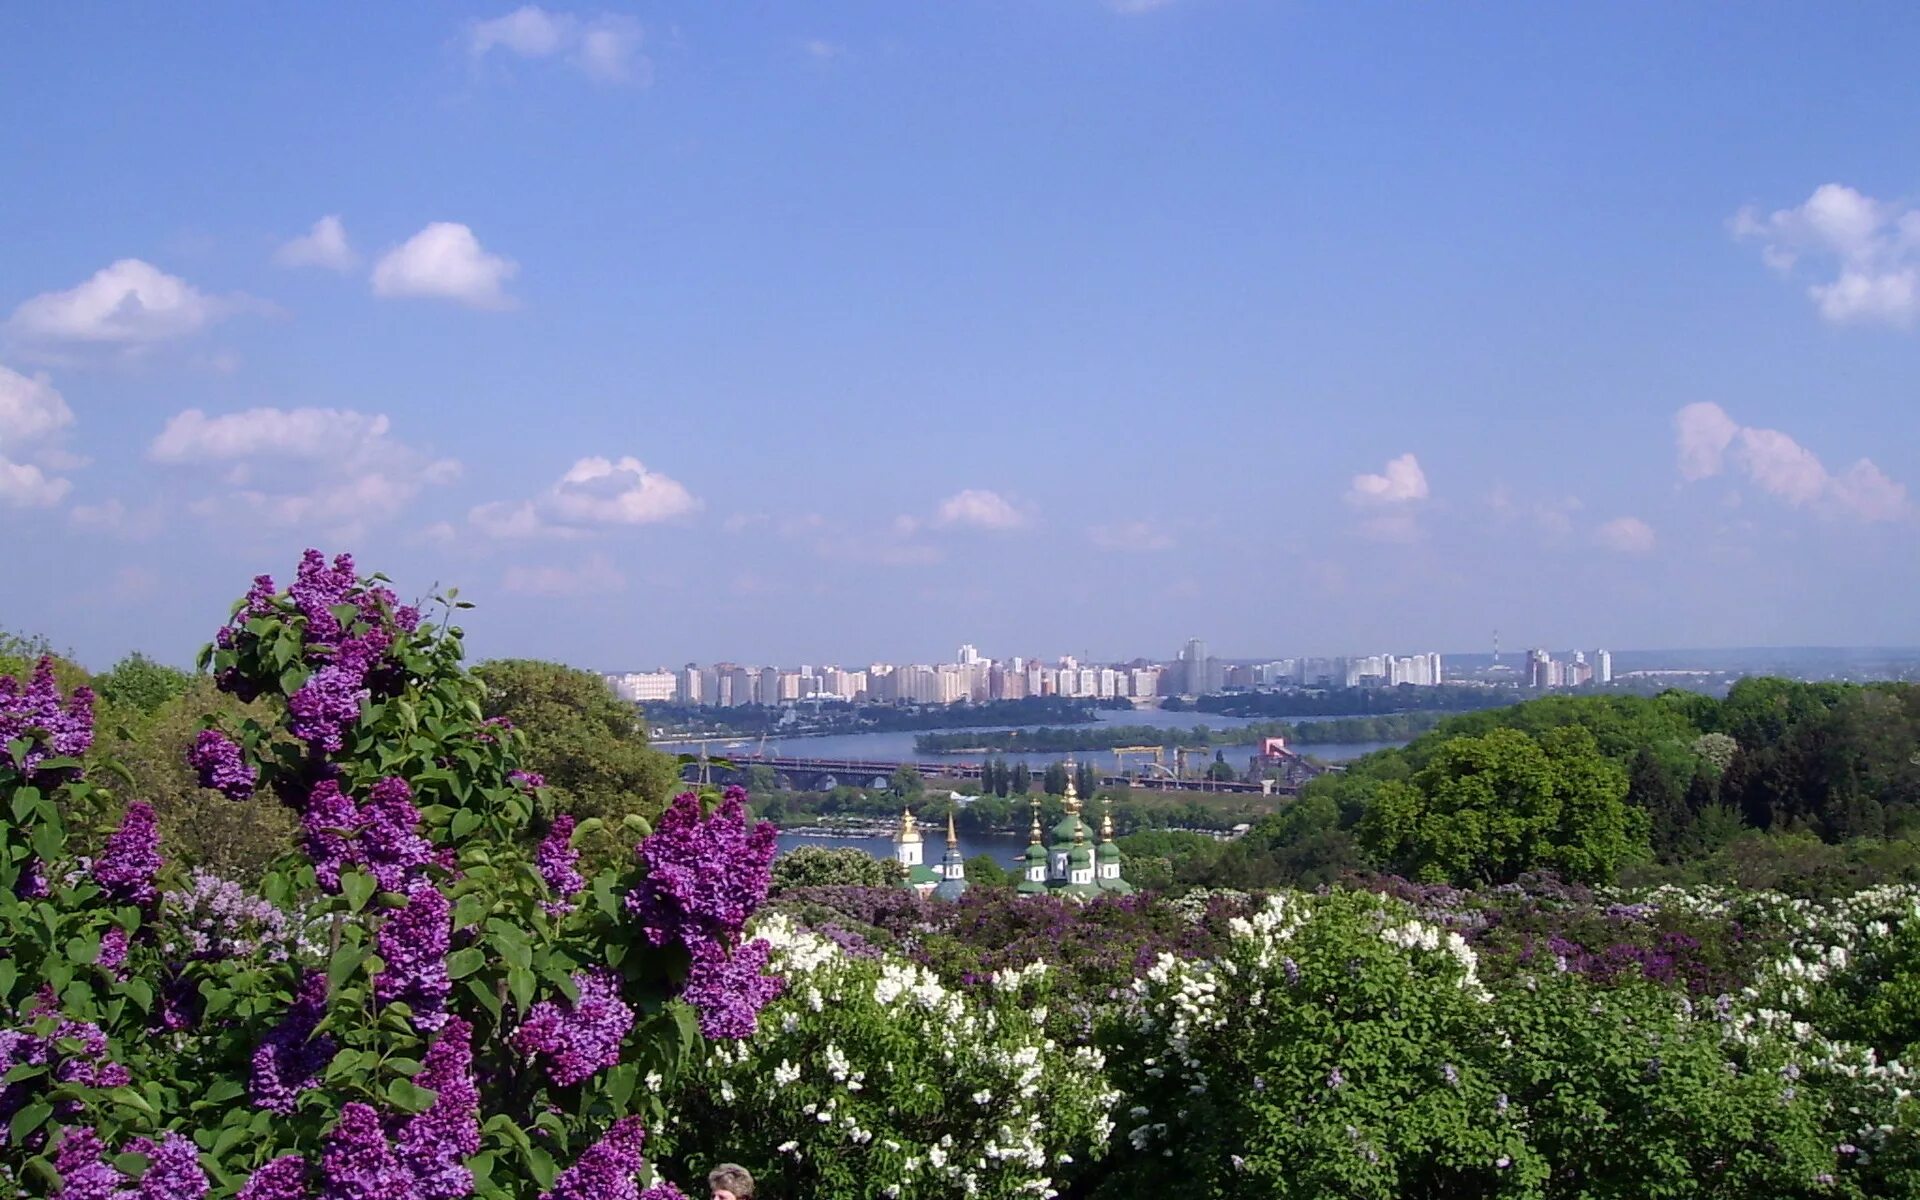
(1602, 667)
(1193, 665)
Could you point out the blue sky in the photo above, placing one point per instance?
(854, 331)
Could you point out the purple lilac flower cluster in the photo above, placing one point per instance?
(730, 990)
(608, 1170)
(581, 1038)
(80, 1158)
(381, 835)
(216, 918)
(358, 1163)
(88, 1066)
(290, 1059)
(421, 1157)
(413, 945)
(705, 877)
(113, 951)
(222, 765)
(328, 702)
(285, 1178)
(558, 863)
(434, 1145)
(128, 863)
(66, 729)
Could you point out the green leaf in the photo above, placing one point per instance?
(27, 1120)
(24, 798)
(345, 962)
(465, 961)
(520, 982)
(410, 1097)
(465, 822)
(358, 887)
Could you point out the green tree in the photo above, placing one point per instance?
(589, 744)
(983, 870)
(137, 684)
(232, 838)
(1489, 809)
(1055, 781)
(832, 866)
(1022, 781)
(906, 781)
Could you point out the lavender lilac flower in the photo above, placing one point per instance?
(556, 858)
(435, 1144)
(173, 1170)
(729, 992)
(290, 1059)
(581, 1038)
(80, 1158)
(113, 950)
(329, 821)
(285, 1178)
(221, 765)
(131, 858)
(216, 918)
(66, 730)
(705, 875)
(390, 844)
(358, 1164)
(413, 945)
(608, 1169)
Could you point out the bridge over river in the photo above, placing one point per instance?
(824, 774)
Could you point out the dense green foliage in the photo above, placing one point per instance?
(832, 866)
(587, 743)
(1813, 787)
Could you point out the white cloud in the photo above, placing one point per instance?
(595, 577)
(822, 49)
(1402, 482)
(1625, 535)
(595, 493)
(130, 302)
(1708, 441)
(978, 508)
(1551, 519)
(1704, 431)
(24, 485)
(32, 412)
(332, 468)
(30, 408)
(1131, 536)
(325, 245)
(1868, 249)
(1137, 6)
(445, 261)
(604, 47)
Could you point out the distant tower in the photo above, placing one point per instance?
(907, 850)
(1036, 876)
(953, 868)
(1107, 858)
(1496, 647)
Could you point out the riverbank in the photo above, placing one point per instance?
(1394, 727)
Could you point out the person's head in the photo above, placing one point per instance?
(730, 1181)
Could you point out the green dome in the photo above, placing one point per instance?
(1067, 827)
(1080, 857)
(1036, 853)
(1108, 852)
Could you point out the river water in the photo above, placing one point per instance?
(898, 746)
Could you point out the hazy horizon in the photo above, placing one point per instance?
(786, 335)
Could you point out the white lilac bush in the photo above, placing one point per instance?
(869, 1077)
(1340, 1046)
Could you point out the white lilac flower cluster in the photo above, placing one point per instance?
(868, 1053)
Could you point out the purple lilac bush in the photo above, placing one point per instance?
(415, 989)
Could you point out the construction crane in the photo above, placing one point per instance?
(1156, 754)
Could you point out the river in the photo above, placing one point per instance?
(898, 746)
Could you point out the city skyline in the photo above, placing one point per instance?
(810, 331)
